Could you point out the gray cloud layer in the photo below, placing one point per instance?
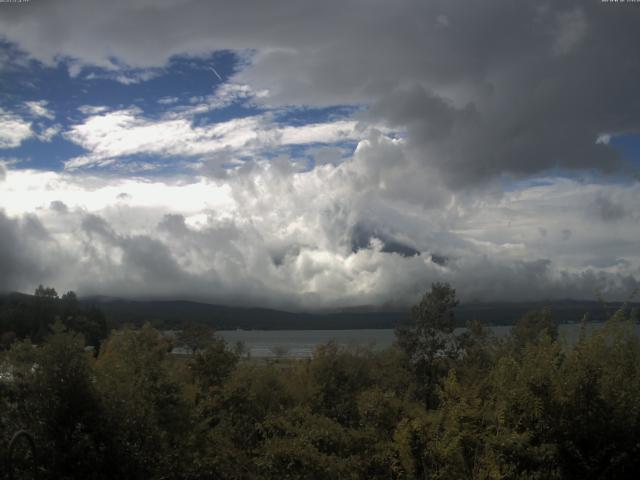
(27, 252)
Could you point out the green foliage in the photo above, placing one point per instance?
(23, 316)
(212, 365)
(429, 341)
(532, 326)
(144, 406)
(336, 379)
(54, 396)
(195, 337)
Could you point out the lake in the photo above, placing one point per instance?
(302, 343)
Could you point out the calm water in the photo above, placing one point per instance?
(301, 343)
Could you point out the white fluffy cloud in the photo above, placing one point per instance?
(13, 130)
(109, 136)
(39, 109)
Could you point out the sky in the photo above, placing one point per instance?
(320, 155)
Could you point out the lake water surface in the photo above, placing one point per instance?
(302, 343)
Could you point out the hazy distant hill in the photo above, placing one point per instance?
(171, 314)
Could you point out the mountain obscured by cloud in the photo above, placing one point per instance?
(286, 239)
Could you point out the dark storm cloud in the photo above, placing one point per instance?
(143, 265)
(26, 256)
(506, 87)
(149, 258)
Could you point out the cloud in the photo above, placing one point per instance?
(224, 96)
(168, 100)
(454, 101)
(137, 77)
(122, 74)
(109, 136)
(47, 134)
(475, 106)
(92, 109)
(608, 210)
(39, 109)
(325, 155)
(572, 29)
(26, 254)
(58, 206)
(323, 238)
(442, 21)
(13, 130)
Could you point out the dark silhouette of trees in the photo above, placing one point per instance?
(23, 316)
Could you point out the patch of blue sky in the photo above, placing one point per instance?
(307, 152)
(21, 82)
(548, 177)
(182, 78)
(235, 110)
(307, 149)
(148, 166)
(629, 147)
(37, 155)
(509, 184)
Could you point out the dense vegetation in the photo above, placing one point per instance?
(435, 406)
(26, 316)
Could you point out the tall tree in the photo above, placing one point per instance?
(428, 340)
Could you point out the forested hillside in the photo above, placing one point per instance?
(173, 314)
(31, 316)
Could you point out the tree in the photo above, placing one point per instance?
(48, 293)
(44, 311)
(144, 406)
(532, 325)
(337, 377)
(58, 403)
(429, 340)
(70, 304)
(212, 365)
(196, 337)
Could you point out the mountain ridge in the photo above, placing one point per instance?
(173, 313)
